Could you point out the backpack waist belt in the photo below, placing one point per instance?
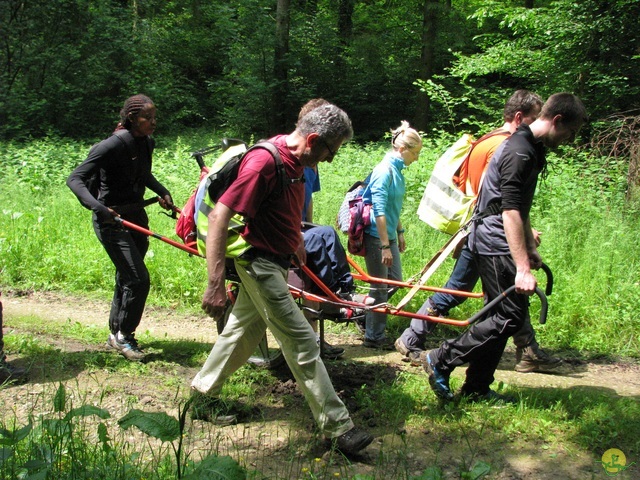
(283, 261)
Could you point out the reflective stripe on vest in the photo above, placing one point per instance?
(236, 245)
(443, 205)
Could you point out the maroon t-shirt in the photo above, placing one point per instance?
(273, 221)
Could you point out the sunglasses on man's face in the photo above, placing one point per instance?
(332, 154)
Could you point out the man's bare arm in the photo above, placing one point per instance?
(214, 298)
(514, 228)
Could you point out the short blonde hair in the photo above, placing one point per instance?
(405, 136)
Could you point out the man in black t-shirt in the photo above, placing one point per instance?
(504, 249)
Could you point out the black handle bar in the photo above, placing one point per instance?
(225, 144)
(549, 288)
(544, 304)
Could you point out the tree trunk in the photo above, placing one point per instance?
(345, 31)
(427, 57)
(281, 67)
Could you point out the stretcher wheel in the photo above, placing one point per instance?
(267, 355)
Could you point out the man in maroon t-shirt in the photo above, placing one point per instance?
(273, 230)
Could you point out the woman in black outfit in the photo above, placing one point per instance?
(111, 182)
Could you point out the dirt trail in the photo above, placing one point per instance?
(616, 379)
(621, 378)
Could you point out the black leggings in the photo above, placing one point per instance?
(126, 250)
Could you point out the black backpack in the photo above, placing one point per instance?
(220, 176)
(93, 183)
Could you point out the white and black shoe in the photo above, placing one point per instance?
(127, 345)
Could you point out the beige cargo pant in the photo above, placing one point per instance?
(264, 301)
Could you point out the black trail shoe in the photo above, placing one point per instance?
(438, 381)
(12, 374)
(353, 441)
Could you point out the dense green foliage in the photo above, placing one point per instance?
(66, 66)
(588, 231)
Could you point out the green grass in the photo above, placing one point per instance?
(589, 235)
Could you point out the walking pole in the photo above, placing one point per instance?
(173, 243)
(433, 265)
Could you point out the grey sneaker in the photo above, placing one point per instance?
(353, 441)
(534, 359)
(126, 345)
(12, 374)
(210, 409)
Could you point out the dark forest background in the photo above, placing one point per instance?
(246, 66)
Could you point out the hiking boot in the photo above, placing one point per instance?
(384, 344)
(534, 359)
(438, 381)
(490, 397)
(410, 356)
(401, 347)
(414, 358)
(12, 374)
(126, 345)
(329, 352)
(210, 409)
(353, 441)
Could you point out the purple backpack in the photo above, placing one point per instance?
(360, 214)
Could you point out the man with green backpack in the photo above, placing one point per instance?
(273, 231)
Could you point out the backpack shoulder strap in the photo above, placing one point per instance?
(128, 140)
(493, 133)
(280, 171)
(461, 176)
(283, 178)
